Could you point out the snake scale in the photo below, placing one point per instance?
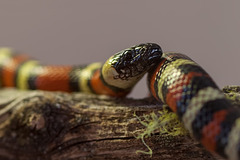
(173, 78)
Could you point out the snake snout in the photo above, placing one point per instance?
(155, 52)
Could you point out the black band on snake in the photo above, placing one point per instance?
(173, 78)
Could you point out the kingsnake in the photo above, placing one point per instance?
(173, 78)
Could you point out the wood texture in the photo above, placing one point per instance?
(60, 126)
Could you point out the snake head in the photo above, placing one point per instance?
(136, 60)
(131, 64)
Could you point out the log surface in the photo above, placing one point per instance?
(39, 125)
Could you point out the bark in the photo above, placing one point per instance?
(60, 126)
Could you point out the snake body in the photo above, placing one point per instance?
(173, 78)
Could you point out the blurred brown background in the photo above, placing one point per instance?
(77, 32)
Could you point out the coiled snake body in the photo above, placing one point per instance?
(173, 78)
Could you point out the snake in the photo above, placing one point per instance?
(173, 78)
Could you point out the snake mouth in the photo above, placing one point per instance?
(136, 60)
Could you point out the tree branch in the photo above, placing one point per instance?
(54, 125)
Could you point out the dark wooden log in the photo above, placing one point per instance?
(38, 125)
